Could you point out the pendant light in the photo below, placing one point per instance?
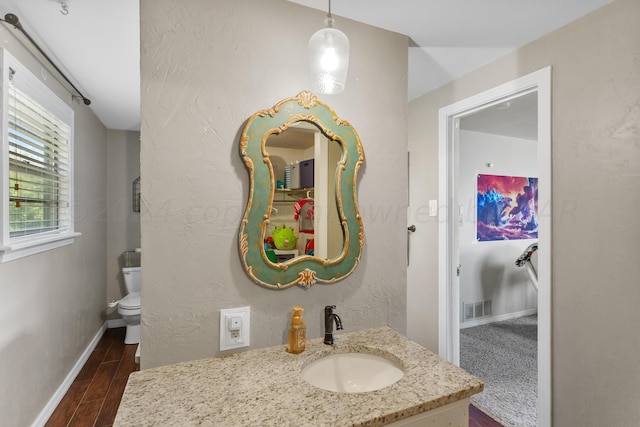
(329, 58)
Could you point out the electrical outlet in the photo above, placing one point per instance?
(234, 328)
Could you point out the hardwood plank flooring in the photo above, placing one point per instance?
(477, 418)
(94, 396)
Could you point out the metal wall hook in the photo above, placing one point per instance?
(412, 228)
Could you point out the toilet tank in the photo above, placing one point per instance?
(132, 278)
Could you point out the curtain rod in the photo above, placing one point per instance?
(12, 19)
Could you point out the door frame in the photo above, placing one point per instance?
(448, 284)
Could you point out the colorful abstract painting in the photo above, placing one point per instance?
(507, 208)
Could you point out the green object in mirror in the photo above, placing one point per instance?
(336, 254)
(284, 238)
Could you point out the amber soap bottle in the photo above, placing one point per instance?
(297, 332)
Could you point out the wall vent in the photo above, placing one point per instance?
(478, 309)
(468, 311)
(486, 308)
(473, 310)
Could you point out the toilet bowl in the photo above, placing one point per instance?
(129, 306)
(129, 309)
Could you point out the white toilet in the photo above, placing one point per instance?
(129, 306)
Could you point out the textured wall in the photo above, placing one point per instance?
(123, 225)
(596, 197)
(53, 301)
(206, 68)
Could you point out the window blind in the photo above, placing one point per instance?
(39, 165)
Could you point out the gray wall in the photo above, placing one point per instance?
(206, 68)
(53, 302)
(123, 225)
(488, 268)
(596, 198)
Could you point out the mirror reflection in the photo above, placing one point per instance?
(304, 217)
(301, 225)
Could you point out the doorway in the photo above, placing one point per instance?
(449, 248)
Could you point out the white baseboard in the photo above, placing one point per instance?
(498, 318)
(137, 357)
(52, 404)
(116, 323)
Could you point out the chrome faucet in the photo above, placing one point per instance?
(329, 318)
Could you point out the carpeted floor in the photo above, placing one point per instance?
(504, 355)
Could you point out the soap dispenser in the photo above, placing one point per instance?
(297, 332)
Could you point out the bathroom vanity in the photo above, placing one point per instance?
(264, 387)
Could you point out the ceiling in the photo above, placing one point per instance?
(300, 135)
(97, 42)
(516, 118)
(97, 45)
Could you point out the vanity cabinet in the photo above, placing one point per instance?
(454, 414)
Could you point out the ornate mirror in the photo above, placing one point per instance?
(301, 225)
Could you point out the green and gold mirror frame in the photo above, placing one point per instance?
(304, 270)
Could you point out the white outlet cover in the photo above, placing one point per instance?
(230, 339)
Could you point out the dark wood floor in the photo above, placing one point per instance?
(477, 418)
(94, 396)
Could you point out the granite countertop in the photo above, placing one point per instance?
(263, 387)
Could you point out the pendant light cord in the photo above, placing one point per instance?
(329, 20)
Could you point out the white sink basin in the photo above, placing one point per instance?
(352, 372)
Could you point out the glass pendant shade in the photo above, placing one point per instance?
(328, 59)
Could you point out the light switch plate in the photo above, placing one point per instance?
(234, 328)
(433, 208)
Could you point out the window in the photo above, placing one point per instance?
(37, 164)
